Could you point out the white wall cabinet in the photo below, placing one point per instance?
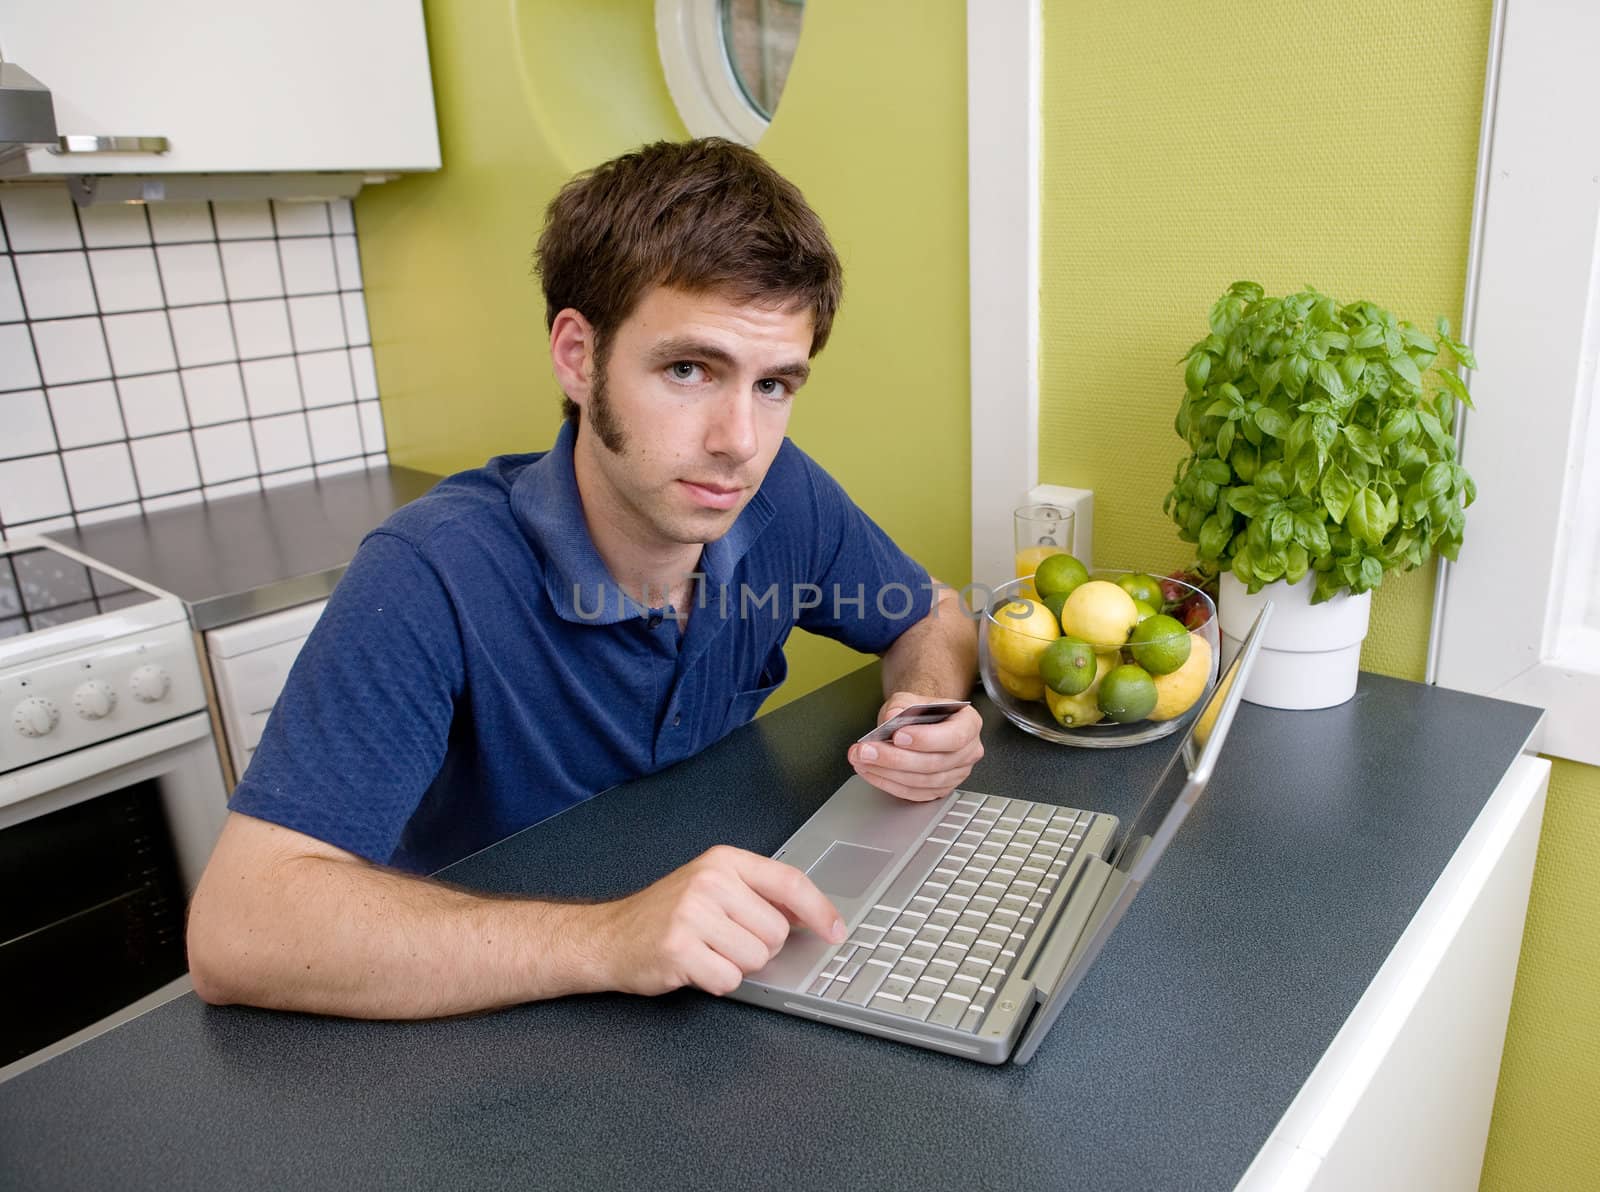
(290, 86)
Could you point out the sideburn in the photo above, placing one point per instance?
(600, 414)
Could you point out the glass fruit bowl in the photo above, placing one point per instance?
(1095, 687)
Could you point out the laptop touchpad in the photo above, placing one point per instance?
(847, 870)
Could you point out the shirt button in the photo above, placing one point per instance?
(676, 721)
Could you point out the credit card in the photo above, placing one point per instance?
(916, 714)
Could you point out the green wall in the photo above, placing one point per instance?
(1188, 145)
(529, 93)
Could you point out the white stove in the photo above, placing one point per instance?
(86, 655)
(111, 795)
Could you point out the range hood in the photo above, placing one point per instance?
(27, 115)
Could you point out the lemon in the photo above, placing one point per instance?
(1075, 711)
(1160, 644)
(1058, 575)
(1019, 633)
(1176, 692)
(1099, 612)
(1024, 688)
(1127, 693)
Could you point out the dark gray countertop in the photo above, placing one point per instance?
(256, 553)
(1320, 836)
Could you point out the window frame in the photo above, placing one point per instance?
(1535, 330)
(700, 75)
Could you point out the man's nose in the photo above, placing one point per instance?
(732, 433)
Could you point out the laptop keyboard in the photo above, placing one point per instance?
(936, 948)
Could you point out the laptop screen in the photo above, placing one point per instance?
(1191, 763)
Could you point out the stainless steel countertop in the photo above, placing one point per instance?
(257, 553)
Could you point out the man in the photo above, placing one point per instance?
(543, 628)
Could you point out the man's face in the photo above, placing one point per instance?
(688, 407)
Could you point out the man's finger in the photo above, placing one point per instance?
(947, 736)
(784, 885)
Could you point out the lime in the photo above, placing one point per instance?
(1160, 644)
(1141, 587)
(1099, 612)
(1018, 634)
(1059, 575)
(1177, 692)
(1030, 687)
(1145, 612)
(1127, 693)
(1054, 603)
(1076, 711)
(1068, 666)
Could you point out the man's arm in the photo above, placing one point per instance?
(937, 658)
(283, 920)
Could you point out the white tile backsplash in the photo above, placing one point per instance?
(114, 225)
(262, 328)
(153, 404)
(243, 219)
(300, 219)
(55, 285)
(325, 378)
(126, 279)
(87, 414)
(39, 218)
(18, 367)
(178, 223)
(318, 322)
(308, 266)
(100, 476)
(204, 334)
(271, 386)
(140, 343)
(165, 464)
(25, 424)
(71, 350)
(215, 393)
(191, 273)
(32, 488)
(163, 354)
(10, 296)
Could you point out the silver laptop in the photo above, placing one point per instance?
(973, 918)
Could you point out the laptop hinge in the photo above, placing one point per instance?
(1071, 927)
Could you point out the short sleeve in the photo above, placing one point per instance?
(363, 723)
(869, 591)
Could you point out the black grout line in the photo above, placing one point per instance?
(177, 363)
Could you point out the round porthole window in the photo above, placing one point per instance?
(726, 61)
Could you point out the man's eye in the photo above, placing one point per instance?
(772, 388)
(684, 370)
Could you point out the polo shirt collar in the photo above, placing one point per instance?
(546, 503)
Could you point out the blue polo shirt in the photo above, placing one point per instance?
(477, 669)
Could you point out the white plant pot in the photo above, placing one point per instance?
(1311, 653)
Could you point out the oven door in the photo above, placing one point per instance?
(99, 851)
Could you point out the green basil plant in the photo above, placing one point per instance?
(1321, 441)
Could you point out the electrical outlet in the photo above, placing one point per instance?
(1081, 502)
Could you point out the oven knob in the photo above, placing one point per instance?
(34, 716)
(94, 699)
(149, 683)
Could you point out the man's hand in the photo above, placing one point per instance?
(925, 761)
(723, 915)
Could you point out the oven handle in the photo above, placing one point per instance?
(59, 772)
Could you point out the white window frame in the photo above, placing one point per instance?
(1004, 96)
(1534, 329)
(700, 76)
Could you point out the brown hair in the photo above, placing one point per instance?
(705, 215)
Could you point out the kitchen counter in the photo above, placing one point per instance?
(1293, 893)
(257, 553)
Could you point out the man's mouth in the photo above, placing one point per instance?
(712, 495)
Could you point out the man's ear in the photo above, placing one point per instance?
(572, 354)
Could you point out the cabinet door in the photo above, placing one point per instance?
(290, 85)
